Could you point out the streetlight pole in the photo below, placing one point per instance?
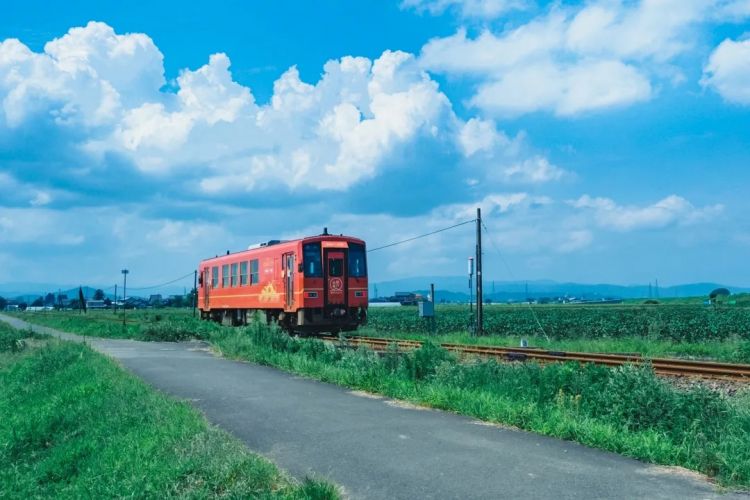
(124, 286)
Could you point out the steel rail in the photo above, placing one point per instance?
(661, 366)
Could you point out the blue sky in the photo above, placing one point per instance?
(606, 141)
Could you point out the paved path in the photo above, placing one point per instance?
(378, 448)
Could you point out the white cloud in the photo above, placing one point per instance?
(572, 60)
(182, 236)
(107, 90)
(565, 90)
(477, 135)
(533, 170)
(671, 210)
(39, 226)
(728, 71)
(82, 78)
(484, 9)
(327, 135)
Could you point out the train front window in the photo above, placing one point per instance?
(357, 261)
(311, 260)
(335, 267)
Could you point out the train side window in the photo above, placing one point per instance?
(254, 277)
(214, 277)
(311, 260)
(357, 260)
(243, 273)
(225, 275)
(234, 275)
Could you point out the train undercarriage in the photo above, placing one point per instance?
(330, 319)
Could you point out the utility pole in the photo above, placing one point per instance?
(471, 286)
(114, 308)
(657, 287)
(479, 273)
(124, 293)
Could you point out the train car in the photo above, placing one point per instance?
(310, 285)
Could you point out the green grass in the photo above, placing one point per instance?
(74, 425)
(162, 324)
(627, 410)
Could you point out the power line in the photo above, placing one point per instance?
(163, 284)
(510, 273)
(422, 235)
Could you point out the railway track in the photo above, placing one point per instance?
(662, 366)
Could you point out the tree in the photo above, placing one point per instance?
(3, 303)
(99, 294)
(49, 299)
(39, 302)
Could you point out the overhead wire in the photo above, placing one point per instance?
(191, 273)
(422, 235)
(512, 277)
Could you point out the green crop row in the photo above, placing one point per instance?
(678, 323)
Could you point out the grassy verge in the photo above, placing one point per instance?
(626, 410)
(163, 325)
(73, 425)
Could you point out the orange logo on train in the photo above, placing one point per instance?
(269, 293)
(336, 285)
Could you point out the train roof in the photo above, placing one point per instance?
(284, 243)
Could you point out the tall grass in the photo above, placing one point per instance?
(627, 410)
(74, 425)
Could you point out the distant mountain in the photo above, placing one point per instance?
(456, 288)
(29, 292)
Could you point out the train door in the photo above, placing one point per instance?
(336, 282)
(206, 287)
(288, 265)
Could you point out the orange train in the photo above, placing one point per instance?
(314, 284)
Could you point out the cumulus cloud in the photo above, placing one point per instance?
(668, 211)
(105, 94)
(572, 60)
(503, 159)
(728, 71)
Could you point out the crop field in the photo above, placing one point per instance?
(681, 323)
(674, 329)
